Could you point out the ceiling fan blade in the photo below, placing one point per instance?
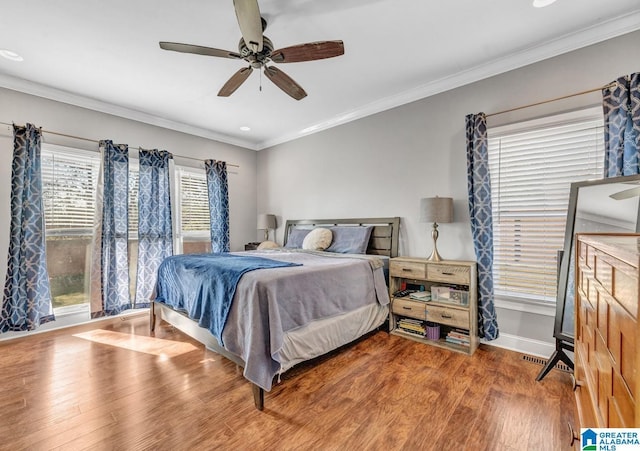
(250, 22)
(235, 81)
(626, 194)
(284, 82)
(198, 50)
(308, 52)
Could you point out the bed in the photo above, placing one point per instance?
(302, 307)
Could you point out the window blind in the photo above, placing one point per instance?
(531, 175)
(134, 182)
(194, 204)
(69, 185)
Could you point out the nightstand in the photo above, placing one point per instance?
(251, 246)
(450, 319)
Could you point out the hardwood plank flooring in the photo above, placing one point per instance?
(112, 385)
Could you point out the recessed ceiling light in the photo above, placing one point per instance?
(244, 128)
(542, 3)
(8, 54)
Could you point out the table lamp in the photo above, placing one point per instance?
(436, 210)
(266, 222)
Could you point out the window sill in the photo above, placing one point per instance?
(525, 305)
(71, 310)
(69, 317)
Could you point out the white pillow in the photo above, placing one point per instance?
(268, 245)
(317, 240)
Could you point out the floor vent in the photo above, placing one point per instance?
(540, 361)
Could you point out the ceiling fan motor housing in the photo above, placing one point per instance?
(257, 60)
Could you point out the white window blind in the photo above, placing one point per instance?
(194, 204)
(69, 184)
(532, 168)
(134, 181)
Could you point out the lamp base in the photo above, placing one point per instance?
(435, 256)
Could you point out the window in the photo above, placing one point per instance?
(193, 229)
(132, 251)
(69, 179)
(532, 167)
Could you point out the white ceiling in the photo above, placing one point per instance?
(104, 55)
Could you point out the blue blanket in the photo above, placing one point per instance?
(203, 285)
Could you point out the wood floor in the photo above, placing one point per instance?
(116, 387)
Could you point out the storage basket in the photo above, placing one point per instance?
(432, 331)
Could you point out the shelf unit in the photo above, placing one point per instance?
(448, 316)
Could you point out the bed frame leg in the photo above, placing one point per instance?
(258, 396)
(152, 317)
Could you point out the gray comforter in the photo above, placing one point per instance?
(269, 303)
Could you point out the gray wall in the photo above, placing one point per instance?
(63, 118)
(383, 164)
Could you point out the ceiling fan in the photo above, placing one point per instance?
(626, 194)
(257, 50)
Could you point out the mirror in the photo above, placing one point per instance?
(608, 205)
(597, 206)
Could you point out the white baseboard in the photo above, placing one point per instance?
(78, 318)
(523, 345)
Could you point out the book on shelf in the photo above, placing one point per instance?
(414, 329)
(412, 332)
(423, 296)
(410, 325)
(461, 331)
(456, 341)
(458, 335)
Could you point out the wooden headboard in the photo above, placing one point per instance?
(384, 236)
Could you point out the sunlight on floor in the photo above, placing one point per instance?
(148, 345)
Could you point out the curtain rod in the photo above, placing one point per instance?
(588, 91)
(98, 142)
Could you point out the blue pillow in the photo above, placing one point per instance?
(350, 239)
(296, 237)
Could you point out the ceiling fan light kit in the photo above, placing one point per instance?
(257, 50)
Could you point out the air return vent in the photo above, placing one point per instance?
(540, 361)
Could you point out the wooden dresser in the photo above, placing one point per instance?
(606, 333)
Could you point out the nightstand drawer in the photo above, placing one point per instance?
(448, 316)
(407, 269)
(406, 307)
(449, 273)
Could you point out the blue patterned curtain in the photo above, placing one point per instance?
(218, 204)
(155, 239)
(621, 107)
(110, 262)
(479, 186)
(27, 295)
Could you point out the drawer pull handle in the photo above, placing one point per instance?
(447, 273)
(444, 315)
(573, 434)
(406, 269)
(575, 383)
(406, 308)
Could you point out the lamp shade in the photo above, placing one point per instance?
(436, 209)
(266, 222)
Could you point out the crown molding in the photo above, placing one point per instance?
(59, 95)
(588, 36)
